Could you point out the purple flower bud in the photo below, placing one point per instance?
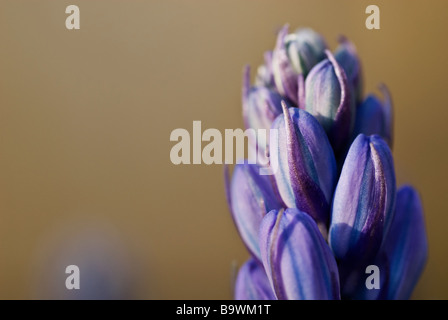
(260, 108)
(404, 252)
(406, 244)
(252, 282)
(333, 169)
(328, 99)
(264, 77)
(375, 117)
(348, 59)
(306, 173)
(298, 261)
(250, 196)
(293, 57)
(363, 201)
(305, 49)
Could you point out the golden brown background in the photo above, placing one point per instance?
(86, 115)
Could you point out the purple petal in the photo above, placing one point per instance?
(375, 117)
(370, 117)
(388, 114)
(348, 59)
(298, 261)
(260, 108)
(328, 99)
(250, 197)
(405, 245)
(264, 77)
(404, 252)
(301, 91)
(252, 283)
(363, 206)
(305, 49)
(285, 77)
(306, 173)
(295, 54)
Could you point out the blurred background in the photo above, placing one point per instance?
(86, 116)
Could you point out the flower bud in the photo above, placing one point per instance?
(305, 49)
(293, 57)
(298, 261)
(375, 117)
(306, 173)
(404, 251)
(252, 282)
(348, 59)
(328, 99)
(264, 77)
(261, 106)
(363, 201)
(406, 244)
(250, 196)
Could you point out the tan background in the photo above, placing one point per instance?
(85, 119)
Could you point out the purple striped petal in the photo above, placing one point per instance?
(306, 173)
(364, 198)
(327, 97)
(298, 261)
(348, 59)
(375, 117)
(250, 197)
(363, 207)
(252, 282)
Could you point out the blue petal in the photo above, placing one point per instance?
(285, 77)
(306, 173)
(328, 99)
(252, 283)
(363, 207)
(250, 197)
(260, 108)
(298, 261)
(405, 247)
(348, 59)
(375, 117)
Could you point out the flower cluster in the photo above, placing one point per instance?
(332, 208)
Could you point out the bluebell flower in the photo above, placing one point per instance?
(306, 173)
(250, 197)
(261, 106)
(298, 261)
(375, 117)
(404, 251)
(331, 210)
(362, 208)
(363, 200)
(328, 98)
(347, 57)
(293, 57)
(405, 246)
